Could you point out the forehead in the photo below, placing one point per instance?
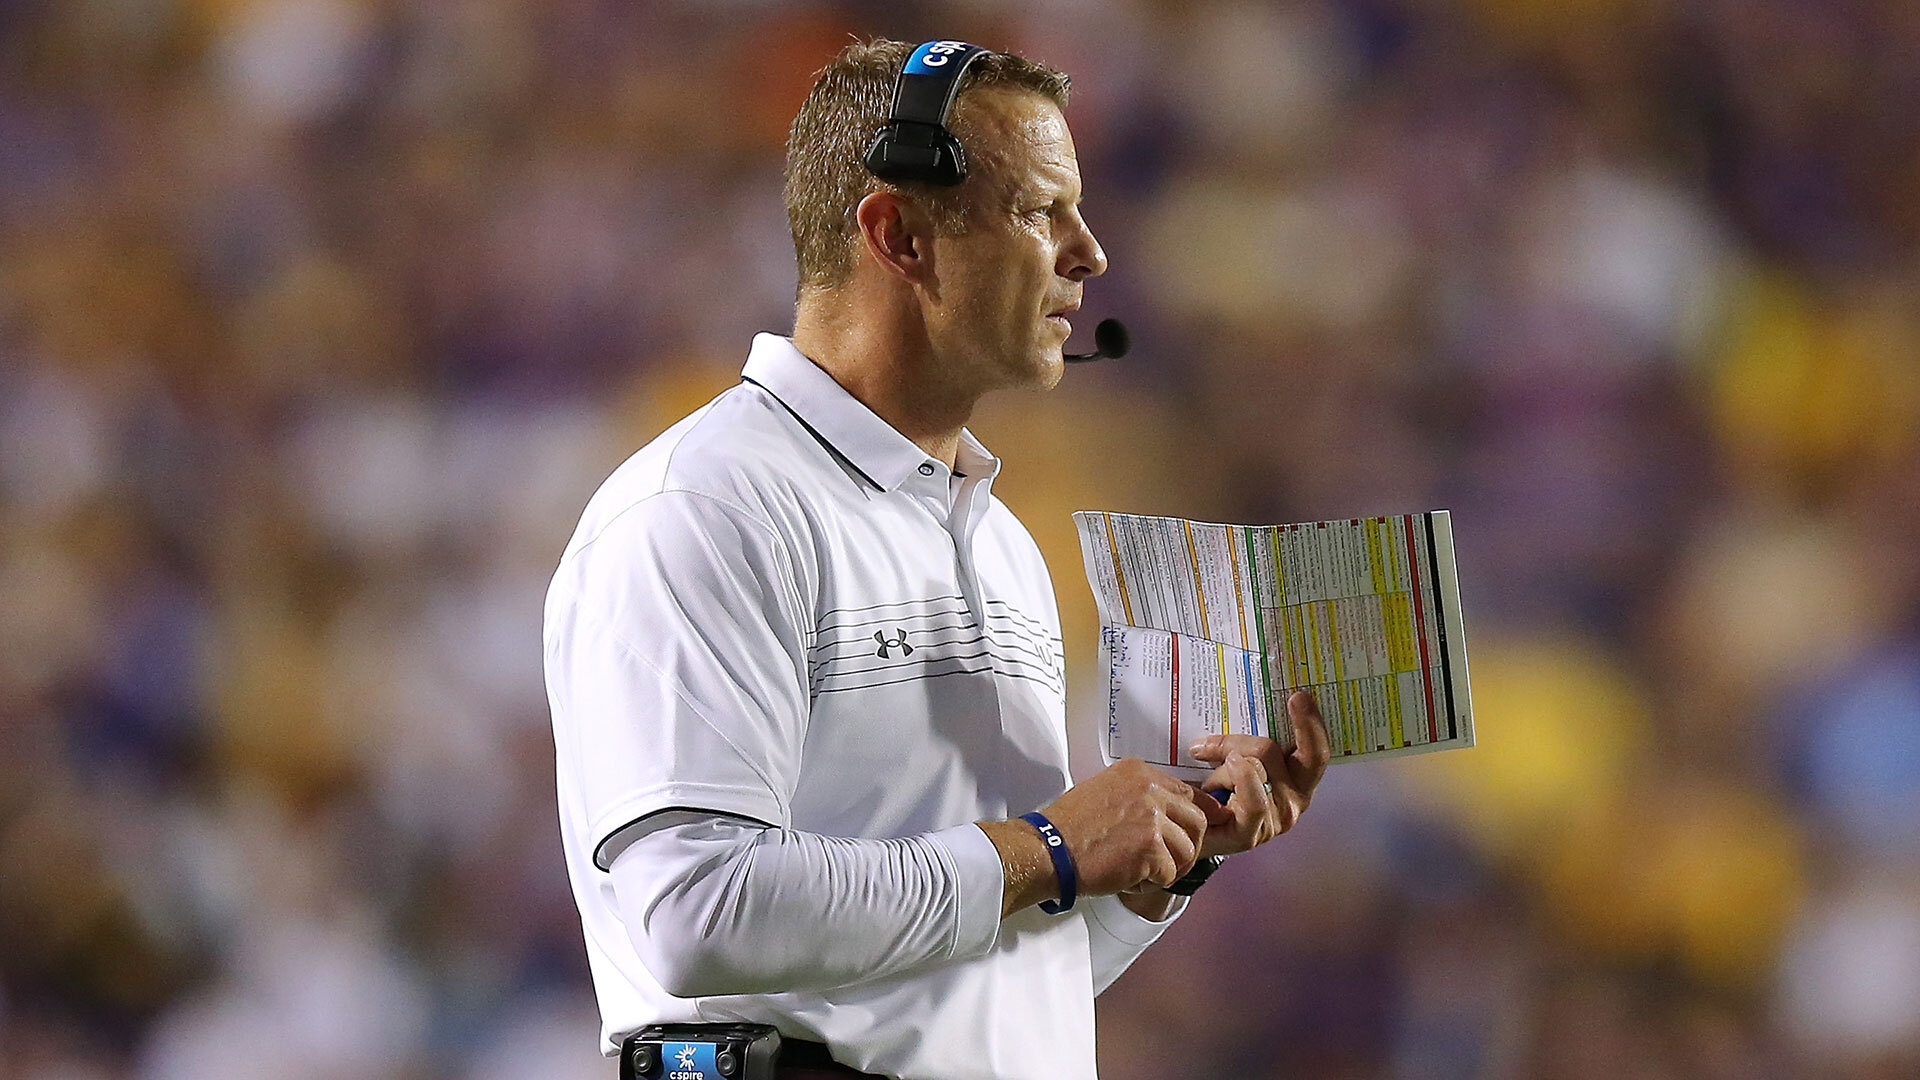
(1024, 136)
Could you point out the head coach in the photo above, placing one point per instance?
(806, 672)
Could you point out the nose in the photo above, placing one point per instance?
(1081, 256)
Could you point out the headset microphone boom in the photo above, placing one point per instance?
(1109, 343)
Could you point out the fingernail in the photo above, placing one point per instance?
(1197, 748)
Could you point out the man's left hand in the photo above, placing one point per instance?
(1271, 785)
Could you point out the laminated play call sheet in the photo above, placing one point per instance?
(1207, 628)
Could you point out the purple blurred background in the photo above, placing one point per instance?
(320, 319)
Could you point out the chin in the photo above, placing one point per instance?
(1041, 371)
(1047, 369)
(1038, 367)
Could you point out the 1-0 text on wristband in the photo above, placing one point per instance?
(1062, 863)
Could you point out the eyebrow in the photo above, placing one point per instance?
(1060, 185)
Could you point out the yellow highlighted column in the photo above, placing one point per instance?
(1390, 689)
(1119, 575)
(1199, 588)
(1375, 562)
(1226, 710)
(1240, 607)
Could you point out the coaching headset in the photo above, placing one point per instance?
(915, 145)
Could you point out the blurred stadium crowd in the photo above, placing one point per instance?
(319, 320)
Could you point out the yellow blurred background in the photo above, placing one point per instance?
(320, 319)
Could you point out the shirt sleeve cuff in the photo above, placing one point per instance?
(1122, 923)
(982, 881)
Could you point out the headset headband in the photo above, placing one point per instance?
(915, 144)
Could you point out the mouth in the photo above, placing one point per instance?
(1058, 316)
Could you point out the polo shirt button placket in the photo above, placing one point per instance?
(930, 496)
(957, 534)
(969, 582)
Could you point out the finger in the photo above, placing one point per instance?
(1278, 819)
(1257, 815)
(1162, 868)
(1188, 815)
(1184, 848)
(1245, 811)
(1289, 804)
(1254, 819)
(1219, 783)
(1208, 797)
(1257, 820)
(1217, 748)
(1311, 751)
(1190, 791)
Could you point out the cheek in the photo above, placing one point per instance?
(995, 293)
(1025, 279)
(1001, 279)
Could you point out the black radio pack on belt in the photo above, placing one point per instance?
(915, 143)
(701, 1052)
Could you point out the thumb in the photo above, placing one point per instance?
(1212, 801)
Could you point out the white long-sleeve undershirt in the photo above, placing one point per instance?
(721, 905)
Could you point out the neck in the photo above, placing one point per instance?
(879, 353)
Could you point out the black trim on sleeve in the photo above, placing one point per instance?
(601, 847)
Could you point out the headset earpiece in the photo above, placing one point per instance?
(915, 144)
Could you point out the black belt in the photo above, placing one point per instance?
(800, 1054)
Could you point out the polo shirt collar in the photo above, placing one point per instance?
(973, 459)
(855, 432)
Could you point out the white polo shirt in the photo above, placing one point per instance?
(785, 610)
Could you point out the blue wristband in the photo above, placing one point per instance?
(1062, 864)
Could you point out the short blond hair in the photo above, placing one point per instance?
(826, 172)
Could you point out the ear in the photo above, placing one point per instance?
(896, 235)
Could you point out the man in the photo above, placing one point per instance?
(805, 668)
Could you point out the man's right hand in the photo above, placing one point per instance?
(1126, 825)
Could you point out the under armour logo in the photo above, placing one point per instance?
(899, 642)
